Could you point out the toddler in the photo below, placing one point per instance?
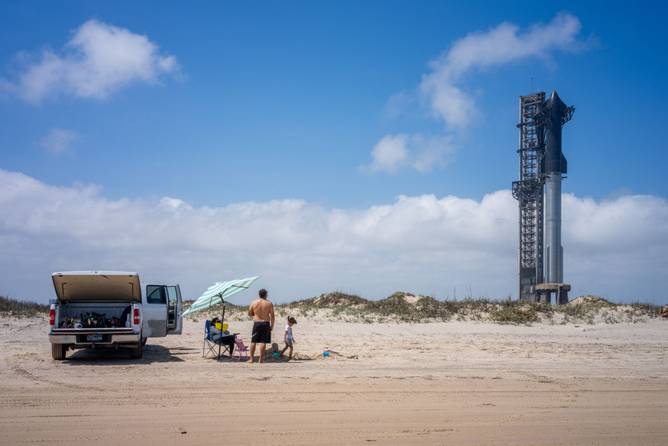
(288, 337)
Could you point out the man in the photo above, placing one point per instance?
(262, 312)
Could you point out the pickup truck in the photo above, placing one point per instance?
(95, 309)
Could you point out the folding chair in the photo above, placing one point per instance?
(241, 348)
(209, 344)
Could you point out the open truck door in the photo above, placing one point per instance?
(155, 312)
(162, 310)
(174, 318)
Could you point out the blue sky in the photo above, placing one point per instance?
(287, 100)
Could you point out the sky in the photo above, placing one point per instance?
(364, 147)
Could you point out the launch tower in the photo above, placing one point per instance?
(542, 167)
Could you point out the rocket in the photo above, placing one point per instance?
(554, 165)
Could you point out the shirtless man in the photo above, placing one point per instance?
(262, 312)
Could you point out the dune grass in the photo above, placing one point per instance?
(19, 308)
(406, 307)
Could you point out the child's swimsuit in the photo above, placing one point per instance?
(288, 335)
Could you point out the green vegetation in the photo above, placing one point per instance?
(406, 307)
(328, 300)
(19, 308)
(514, 312)
(652, 309)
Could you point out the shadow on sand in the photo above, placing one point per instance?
(122, 355)
(270, 355)
(268, 359)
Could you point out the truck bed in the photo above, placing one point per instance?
(78, 331)
(75, 310)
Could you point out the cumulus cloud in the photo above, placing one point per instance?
(97, 61)
(389, 154)
(58, 141)
(419, 152)
(425, 243)
(500, 45)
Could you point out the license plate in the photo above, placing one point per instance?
(94, 337)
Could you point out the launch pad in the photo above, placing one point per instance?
(544, 292)
(542, 168)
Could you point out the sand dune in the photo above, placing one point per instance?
(433, 383)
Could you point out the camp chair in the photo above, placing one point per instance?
(241, 348)
(209, 344)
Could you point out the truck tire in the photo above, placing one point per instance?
(138, 351)
(58, 351)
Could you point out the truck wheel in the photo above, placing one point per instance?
(58, 351)
(138, 351)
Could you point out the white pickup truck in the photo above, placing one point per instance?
(106, 309)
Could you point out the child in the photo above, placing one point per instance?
(288, 337)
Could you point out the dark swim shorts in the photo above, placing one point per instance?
(261, 333)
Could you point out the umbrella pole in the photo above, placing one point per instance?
(222, 319)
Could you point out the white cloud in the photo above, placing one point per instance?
(425, 244)
(419, 152)
(500, 45)
(389, 154)
(431, 151)
(98, 60)
(58, 141)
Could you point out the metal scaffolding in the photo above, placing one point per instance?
(529, 191)
(542, 168)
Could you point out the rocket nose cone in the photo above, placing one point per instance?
(555, 101)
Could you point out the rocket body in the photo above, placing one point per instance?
(554, 268)
(554, 166)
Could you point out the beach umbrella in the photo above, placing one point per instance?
(218, 292)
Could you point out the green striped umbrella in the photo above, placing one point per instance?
(218, 292)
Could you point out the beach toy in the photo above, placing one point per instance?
(325, 354)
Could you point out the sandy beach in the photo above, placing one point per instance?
(462, 207)
(431, 383)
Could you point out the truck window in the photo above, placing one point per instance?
(155, 294)
(171, 294)
(172, 299)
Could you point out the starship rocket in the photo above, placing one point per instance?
(554, 167)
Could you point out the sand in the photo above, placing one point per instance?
(436, 383)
